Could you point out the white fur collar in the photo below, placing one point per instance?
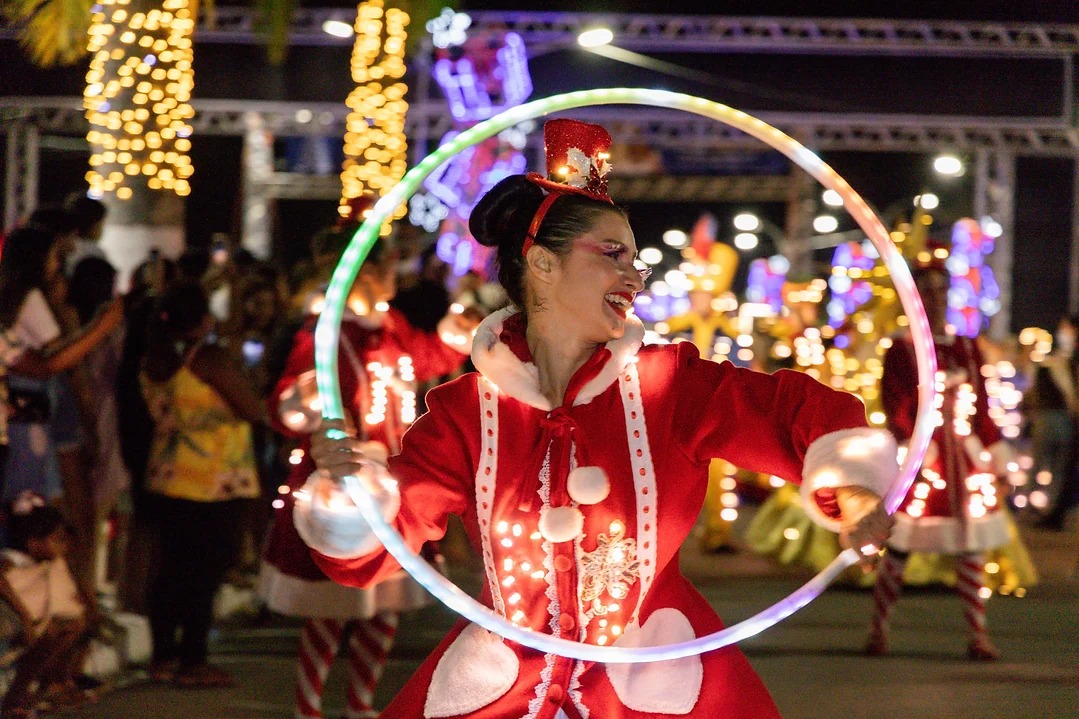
(520, 380)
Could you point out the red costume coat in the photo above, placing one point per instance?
(953, 505)
(290, 582)
(492, 450)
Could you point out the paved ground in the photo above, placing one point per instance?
(811, 662)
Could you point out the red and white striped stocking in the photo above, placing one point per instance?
(369, 645)
(885, 595)
(970, 581)
(319, 643)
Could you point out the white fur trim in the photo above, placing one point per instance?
(667, 687)
(452, 337)
(486, 476)
(325, 599)
(560, 524)
(497, 363)
(644, 480)
(475, 671)
(948, 535)
(588, 485)
(520, 380)
(860, 457)
(340, 532)
(623, 352)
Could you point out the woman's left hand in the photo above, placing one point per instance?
(865, 523)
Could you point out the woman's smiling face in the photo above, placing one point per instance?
(593, 286)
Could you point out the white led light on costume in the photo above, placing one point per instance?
(327, 334)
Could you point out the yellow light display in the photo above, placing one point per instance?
(137, 96)
(375, 147)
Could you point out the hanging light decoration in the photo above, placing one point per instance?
(137, 96)
(375, 147)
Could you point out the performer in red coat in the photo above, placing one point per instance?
(578, 460)
(381, 358)
(954, 506)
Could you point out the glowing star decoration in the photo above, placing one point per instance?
(480, 84)
(609, 571)
(327, 335)
(375, 147)
(137, 97)
(427, 211)
(449, 29)
(973, 295)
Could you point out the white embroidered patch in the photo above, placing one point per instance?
(475, 671)
(647, 687)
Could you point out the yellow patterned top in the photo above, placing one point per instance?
(201, 450)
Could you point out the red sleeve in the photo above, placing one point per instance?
(431, 357)
(435, 471)
(301, 359)
(984, 426)
(899, 390)
(758, 421)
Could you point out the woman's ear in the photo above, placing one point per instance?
(541, 262)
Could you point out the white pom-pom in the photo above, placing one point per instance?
(588, 485)
(561, 524)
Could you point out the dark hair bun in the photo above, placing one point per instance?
(502, 215)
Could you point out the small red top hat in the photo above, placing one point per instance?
(578, 155)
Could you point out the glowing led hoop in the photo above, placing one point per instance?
(328, 329)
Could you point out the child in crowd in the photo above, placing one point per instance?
(48, 620)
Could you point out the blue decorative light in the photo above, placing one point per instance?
(974, 294)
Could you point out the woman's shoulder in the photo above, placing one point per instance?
(459, 392)
(668, 356)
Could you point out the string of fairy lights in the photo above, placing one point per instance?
(137, 96)
(375, 146)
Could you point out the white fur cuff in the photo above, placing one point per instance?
(860, 457)
(333, 525)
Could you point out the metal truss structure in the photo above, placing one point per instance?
(702, 33)
(656, 128)
(543, 31)
(736, 188)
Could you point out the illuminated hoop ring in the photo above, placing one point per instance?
(328, 330)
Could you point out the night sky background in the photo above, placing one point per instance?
(753, 82)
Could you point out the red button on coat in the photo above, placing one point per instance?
(555, 694)
(565, 622)
(563, 563)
